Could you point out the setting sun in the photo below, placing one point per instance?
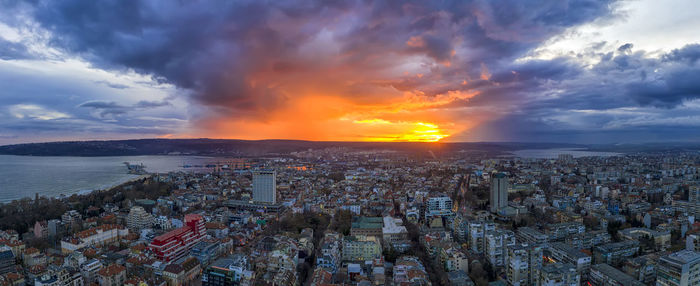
(408, 131)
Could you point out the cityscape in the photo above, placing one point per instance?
(343, 216)
(350, 143)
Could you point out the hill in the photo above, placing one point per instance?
(232, 147)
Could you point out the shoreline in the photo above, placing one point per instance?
(82, 193)
(60, 177)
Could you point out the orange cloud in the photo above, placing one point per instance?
(333, 118)
(334, 95)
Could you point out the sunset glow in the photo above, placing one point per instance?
(407, 131)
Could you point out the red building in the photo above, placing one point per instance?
(177, 243)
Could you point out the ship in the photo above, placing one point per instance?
(134, 169)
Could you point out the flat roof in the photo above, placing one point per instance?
(570, 250)
(367, 222)
(683, 257)
(616, 275)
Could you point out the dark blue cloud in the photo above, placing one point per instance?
(626, 48)
(689, 54)
(113, 85)
(211, 48)
(674, 88)
(111, 108)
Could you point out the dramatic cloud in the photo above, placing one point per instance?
(357, 70)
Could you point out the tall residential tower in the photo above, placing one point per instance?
(499, 192)
(265, 186)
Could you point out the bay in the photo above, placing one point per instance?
(26, 176)
(553, 153)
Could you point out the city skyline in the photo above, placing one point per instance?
(464, 71)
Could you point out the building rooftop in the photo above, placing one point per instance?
(111, 270)
(641, 231)
(499, 175)
(683, 257)
(390, 226)
(569, 250)
(367, 222)
(558, 268)
(617, 275)
(617, 245)
(173, 268)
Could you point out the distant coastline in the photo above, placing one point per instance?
(553, 153)
(262, 148)
(248, 148)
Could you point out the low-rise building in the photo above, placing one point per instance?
(408, 270)
(559, 231)
(112, 275)
(561, 252)
(367, 226)
(394, 233)
(174, 274)
(606, 275)
(41, 229)
(589, 239)
(642, 268)
(662, 239)
(558, 274)
(361, 248)
(454, 259)
(614, 253)
(192, 269)
(98, 236)
(531, 235)
(205, 251)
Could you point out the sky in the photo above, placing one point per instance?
(589, 71)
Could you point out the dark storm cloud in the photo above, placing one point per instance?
(554, 69)
(670, 91)
(689, 54)
(110, 108)
(101, 105)
(214, 49)
(151, 104)
(624, 98)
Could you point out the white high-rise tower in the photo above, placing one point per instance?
(265, 186)
(499, 192)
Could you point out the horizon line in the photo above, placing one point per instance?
(340, 141)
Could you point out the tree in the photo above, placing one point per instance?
(478, 274)
(613, 228)
(591, 222)
(390, 254)
(342, 222)
(647, 244)
(491, 273)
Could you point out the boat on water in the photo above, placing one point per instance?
(135, 169)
